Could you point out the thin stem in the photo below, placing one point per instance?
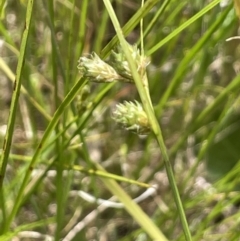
(152, 119)
(13, 109)
(141, 32)
(143, 75)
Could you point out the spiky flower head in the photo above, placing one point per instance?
(132, 117)
(97, 70)
(119, 62)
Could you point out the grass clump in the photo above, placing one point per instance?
(68, 171)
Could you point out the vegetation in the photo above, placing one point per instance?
(105, 102)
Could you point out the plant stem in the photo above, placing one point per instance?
(146, 101)
(13, 109)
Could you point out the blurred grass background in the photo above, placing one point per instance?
(199, 115)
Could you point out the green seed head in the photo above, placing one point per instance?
(119, 62)
(96, 70)
(132, 117)
(117, 68)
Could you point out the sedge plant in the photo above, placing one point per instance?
(76, 84)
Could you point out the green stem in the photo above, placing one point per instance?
(13, 109)
(152, 119)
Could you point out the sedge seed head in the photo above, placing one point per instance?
(131, 116)
(119, 62)
(96, 70)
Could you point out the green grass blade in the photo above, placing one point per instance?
(14, 104)
(183, 26)
(45, 137)
(177, 79)
(130, 25)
